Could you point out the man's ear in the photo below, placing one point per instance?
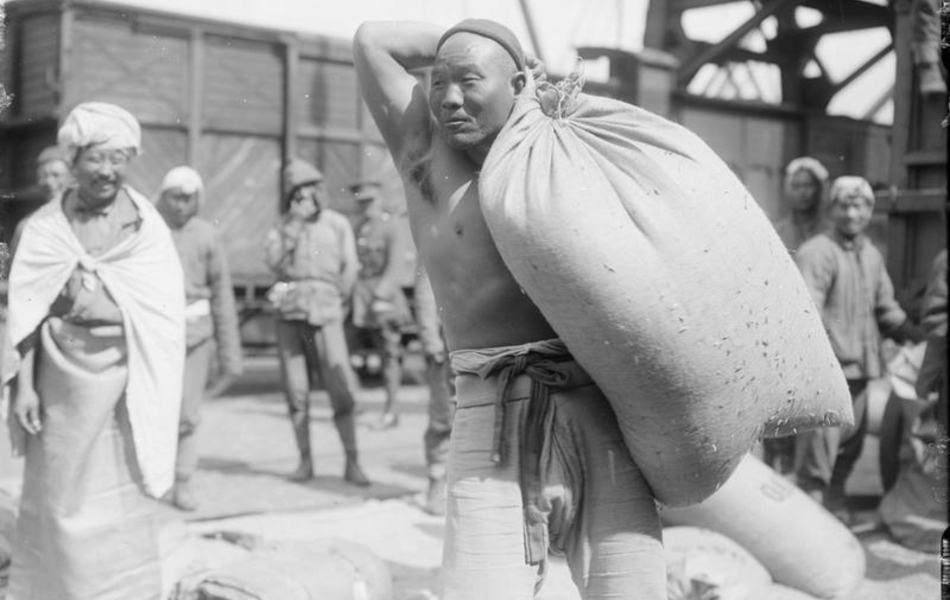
(518, 81)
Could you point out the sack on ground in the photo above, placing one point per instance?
(915, 508)
(800, 543)
(704, 564)
(302, 570)
(667, 283)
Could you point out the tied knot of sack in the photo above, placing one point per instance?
(559, 99)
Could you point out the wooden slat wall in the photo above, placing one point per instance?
(162, 149)
(39, 59)
(243, 89)
(145, 73)
(241, 175)
(755, 147)
(328, 93)
(23, 148)
(377, 164)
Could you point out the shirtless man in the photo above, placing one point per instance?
(527, 471)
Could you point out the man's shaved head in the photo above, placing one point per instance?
(479, 49)
(491, 30)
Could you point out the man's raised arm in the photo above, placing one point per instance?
(385, 53)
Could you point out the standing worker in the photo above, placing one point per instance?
(380, 308)
(847, 279)
(588, 499)
(804, 187)
(53, 178)
(210, 315)
(313, 253)
(97, 320)
(52, 172)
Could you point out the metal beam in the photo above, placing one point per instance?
(737, 54)
(713, 52)
(878, 104)
(681, 5)
(837, 87)
(655, 32)
(848, 10)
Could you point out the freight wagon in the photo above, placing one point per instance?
(233, 101)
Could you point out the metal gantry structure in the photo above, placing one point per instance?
(914, 204)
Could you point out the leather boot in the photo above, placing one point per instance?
(353, 473)
(304, 470)
(346, 428)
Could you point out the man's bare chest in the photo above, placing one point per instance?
(444, 209)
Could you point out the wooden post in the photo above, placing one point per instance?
(291, 98)
(65, 75)
(654, 34)
(196, 85)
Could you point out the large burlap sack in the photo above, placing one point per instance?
(667, 283)
(777, 591)
(704, 564)
(914, 509)
(800, 543)
(301, 570)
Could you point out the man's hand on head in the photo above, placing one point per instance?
(536, 67)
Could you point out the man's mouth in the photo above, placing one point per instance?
(456, 123)
(103, 183)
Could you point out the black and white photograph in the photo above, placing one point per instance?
(456, 300)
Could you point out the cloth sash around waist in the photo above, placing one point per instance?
(496, 376)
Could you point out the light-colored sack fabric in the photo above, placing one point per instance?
(703, 564)
(800, 543)
(777, 591)
(302, 570)
(667, 283)
(85, 529)
(915, 508)
(144, 277)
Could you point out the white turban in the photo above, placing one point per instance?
(184, 178)
(851, 186)
(99, 124)
(809, 164)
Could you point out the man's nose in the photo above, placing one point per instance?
(452, 97)
(105, 169)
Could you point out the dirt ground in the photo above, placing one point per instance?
(246, 449)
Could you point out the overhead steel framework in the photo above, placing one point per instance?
(788, 45)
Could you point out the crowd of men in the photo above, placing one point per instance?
(105, 390)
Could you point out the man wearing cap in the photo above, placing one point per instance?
(849, 283)
(97, 335)
(804, 187)
(210, 316)
(380, 308)
(537, 460)
(53, 177)
(313, 253)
